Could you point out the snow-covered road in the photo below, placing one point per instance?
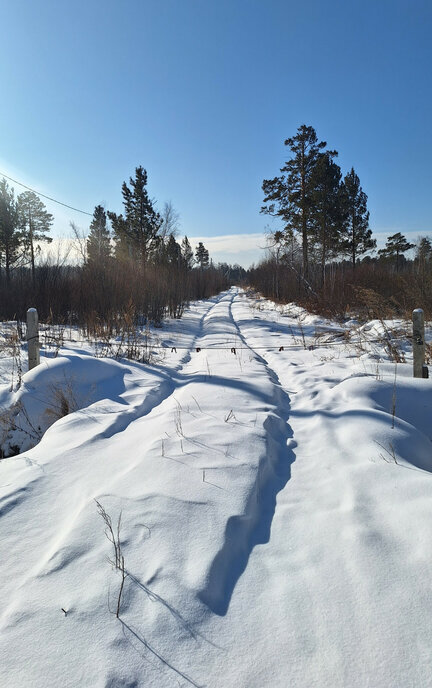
(276, 515)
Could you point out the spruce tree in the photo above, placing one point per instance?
(10, 236)
(99, 240)
(395, 247)
(289, 196)
(137, 231)
(35, 223)
(187, 253)
(202, 256)
(357, 237)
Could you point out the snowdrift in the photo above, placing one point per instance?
(276, 512)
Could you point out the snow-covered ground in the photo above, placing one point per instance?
(276, 510)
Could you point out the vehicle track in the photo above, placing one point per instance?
(249, 518)
(252, 527)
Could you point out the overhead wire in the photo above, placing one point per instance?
(39, 193)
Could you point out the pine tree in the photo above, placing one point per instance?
(137, 231)
(423, 259)
(424, 251)
(99, 240)
(187, 253)
(202, 256)
(289, 196)
(326, 211)
(35, 223)
(357, 236)
(395, 247)
(10, 236)
(173, 251)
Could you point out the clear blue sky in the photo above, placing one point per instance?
(203, 93)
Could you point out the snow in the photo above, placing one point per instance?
(276, 510)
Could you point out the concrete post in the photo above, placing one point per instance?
(419, 367)
(33, 338)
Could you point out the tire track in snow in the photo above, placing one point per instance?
(244, 531)
(58, 532)
(251, 527)
(157, 394)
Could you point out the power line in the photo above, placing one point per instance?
(38, 193)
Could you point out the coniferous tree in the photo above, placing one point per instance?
(173, 251)
(423, 253)
(289, 196)
(326, 209)
(357, 238)
(99, 240)
(202, 256)
(187, 253)
(423, 260)
(35, 223)
(395, 247)
(424, 249)
(137, 231)
(10, 236)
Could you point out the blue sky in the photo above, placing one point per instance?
(203, 94)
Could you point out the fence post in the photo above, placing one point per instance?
(33, 338)
(419, 367)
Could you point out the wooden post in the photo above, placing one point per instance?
(419, 367)
(33, 338)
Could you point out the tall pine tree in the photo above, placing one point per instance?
(423, 261)
(35, 223)
(187, 253)
(173, 251)
(10, 236)
(202, 256)
(357, 237)
(423, 254)
(326, 210)
(137, 231)
(289, 196)
(99, 240)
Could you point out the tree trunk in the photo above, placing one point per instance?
(304, 218)
(33, 263)
(32, 253)
(7, 264)
(323, 256)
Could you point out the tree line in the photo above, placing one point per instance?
(130, 260)
(141, 234)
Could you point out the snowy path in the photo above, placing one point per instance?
(269, 540)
